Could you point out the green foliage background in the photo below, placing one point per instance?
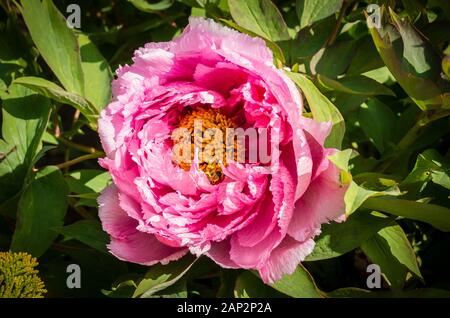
(379, 73)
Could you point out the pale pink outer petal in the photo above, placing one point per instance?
(127, 243)
(144, 249)
(321, 203)
(115, 220)
(285, 258)
(220, 253)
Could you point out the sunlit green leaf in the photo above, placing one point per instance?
(261, 17)
(57, 93)
(96, 72)
(310, 11)
(148, 6)
(322, 108)
(299, 284)
(160, 276)
(56, 42)
(436, 215)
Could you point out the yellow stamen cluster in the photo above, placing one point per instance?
(18, 276)
(206, 142)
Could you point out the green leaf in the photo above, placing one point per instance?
(381, 75)
(87, 184)
(96, 71)
(333, 60)
(25, 116)
(433, 214)
(57, 93)
(341, 158)
(88, 180)
(145, 6)
(321, 108)
(88, 232)
(261, 17)
(376, 120)
(123, 289)
(358, 84)
(337, 239)
(446, 65)
(160, 276)
(430, 166)
(366, 58)
(391, 250)
(356, 195)
(407, 54)
(310, 11)
(310, 40)
(249, 285)
(419, 58)
(12, 61)
(300, 284)
(35, 220)
(177, 290)
(56, 42)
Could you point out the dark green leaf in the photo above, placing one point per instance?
(88, 232)
(35, 221)
(366, 58)
(391, 250)
(430, 166)
(25, 116)
(412, 71)
(359, 85)
(333, 60)
(248, 285)
(340, 238)
(376, 120)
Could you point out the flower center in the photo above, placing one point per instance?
(203, 133)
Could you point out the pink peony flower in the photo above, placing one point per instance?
(239, 213)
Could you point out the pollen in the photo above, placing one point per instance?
(204, 132)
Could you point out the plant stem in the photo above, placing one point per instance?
(74, 145)
(415, 131)
(337, 26)
(80, 210)
(72, 162)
